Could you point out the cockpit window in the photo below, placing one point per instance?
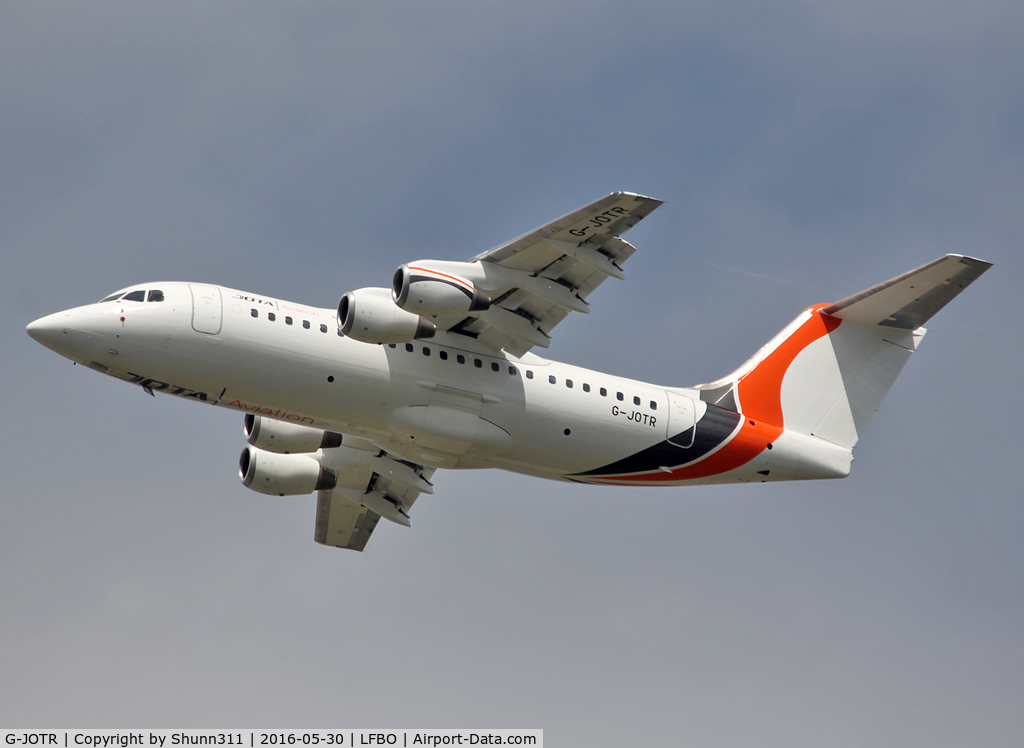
(112, 297)
(135, 296)
(156, 296)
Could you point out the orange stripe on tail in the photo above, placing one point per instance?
(760, 401)
(760, 389)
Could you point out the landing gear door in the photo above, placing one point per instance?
(682, 419)
(206, 308)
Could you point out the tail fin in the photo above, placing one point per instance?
(826, 373)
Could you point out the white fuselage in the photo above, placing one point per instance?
(445, 404)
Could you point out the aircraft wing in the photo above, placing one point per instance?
(383, 485)
(342, 522)
(565, 261)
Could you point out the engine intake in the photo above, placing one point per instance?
(282, 474)
(371, 316)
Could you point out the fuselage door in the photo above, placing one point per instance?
(682, 420)
(206, 308)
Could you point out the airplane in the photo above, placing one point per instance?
(362, 404)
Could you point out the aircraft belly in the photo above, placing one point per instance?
(556, 441)
(354, 402)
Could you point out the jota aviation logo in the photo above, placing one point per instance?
(283, 415)
(155, 385)
(253, 299)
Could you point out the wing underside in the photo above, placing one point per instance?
(342, 522)
(563, 261)
(371, 484)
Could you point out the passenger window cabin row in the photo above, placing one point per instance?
(478, 363)
(461, 359)
(289, 321)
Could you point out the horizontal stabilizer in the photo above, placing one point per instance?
(910, 300)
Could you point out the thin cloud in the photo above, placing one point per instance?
(759, 276)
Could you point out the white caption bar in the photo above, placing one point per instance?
(264, 738)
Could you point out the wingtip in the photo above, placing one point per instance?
(976, 261)
(637, 195)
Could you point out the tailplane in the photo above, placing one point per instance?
(826, 373)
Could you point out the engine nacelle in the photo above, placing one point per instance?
(283, 475)
(427, 291)
(371, 316)
(284, 438)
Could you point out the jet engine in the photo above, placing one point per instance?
(284, 438)
(282, 474)
(370, 316)
(425, 291)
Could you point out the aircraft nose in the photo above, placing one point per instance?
(46, 330)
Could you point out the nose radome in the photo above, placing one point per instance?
(46, 330)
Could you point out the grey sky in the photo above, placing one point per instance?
(305, 149)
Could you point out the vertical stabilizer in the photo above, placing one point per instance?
(827, 372)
